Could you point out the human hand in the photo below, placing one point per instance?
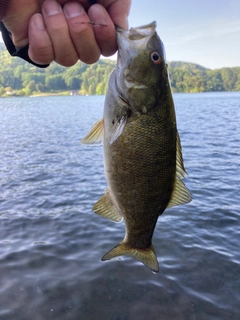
(65, 31)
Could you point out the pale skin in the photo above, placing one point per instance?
(66, 31)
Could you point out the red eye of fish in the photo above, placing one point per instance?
(156, 58)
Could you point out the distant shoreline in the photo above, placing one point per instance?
(19, 78)
(67, 94)
(45, 94)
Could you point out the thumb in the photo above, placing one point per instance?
(17, 20)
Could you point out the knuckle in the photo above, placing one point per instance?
(41, 55)
(67, 60)
(90, 59)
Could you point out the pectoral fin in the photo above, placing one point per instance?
(96, 133)
(105, 208)
(118, 129)
(146, 256)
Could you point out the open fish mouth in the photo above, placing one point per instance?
(133, 40)
(138, 33)
(142, 32)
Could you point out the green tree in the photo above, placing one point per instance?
(55, 82)
(25, 78)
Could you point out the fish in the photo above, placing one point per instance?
(142, 150)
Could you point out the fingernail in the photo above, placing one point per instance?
(73, 10)
(123, 23)
(38, 22)
(51, 8)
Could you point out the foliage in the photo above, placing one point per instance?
(18, 77)
(190, 77)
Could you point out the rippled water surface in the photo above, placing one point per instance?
(51, 243)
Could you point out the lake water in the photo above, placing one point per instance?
(51, 242)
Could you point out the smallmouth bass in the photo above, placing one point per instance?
(142, 150)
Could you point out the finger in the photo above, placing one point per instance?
(118, 10)
(85, 3)
(17, 19)
(57, 28)
(104, 29)
(40, 46)
(81, 32)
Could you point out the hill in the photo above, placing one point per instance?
(21, 78)
(191, 77)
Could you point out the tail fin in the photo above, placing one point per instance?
(146, 256)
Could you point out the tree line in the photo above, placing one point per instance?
(18, 77)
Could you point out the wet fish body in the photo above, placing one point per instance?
(142, 150)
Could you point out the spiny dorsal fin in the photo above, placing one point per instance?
(147, 255)
(179, 163)
(96, 133)
(180, 194)
(105, 208)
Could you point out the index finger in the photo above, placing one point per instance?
(104, 29)
(118, 11)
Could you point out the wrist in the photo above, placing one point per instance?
(3, 8)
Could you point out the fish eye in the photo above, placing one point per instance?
(156, 58)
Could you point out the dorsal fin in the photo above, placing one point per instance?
(96, 133)
(180, 194)
(179, 159)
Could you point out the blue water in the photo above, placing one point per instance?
(51, 243)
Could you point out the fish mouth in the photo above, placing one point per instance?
(130, 41)
(137, 33)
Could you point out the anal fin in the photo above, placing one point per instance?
(105, 208)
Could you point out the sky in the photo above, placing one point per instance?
(206, 32)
